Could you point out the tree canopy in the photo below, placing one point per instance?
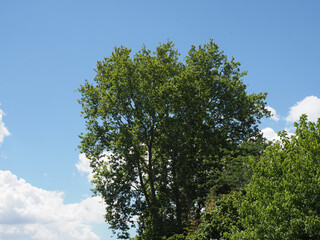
(167, 126)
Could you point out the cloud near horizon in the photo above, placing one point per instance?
(4, 132)
(28, 212)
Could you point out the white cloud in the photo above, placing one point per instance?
(270, 134)
(274, 114)
(28, 212)
(309, 105)
(4, 132)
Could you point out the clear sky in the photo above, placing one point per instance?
(48, 48)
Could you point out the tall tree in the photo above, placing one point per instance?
(166, 124)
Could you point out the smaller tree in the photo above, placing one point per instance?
(282, 200)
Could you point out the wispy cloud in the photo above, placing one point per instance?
(4, 132)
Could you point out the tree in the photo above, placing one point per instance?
(282, 200)
(167, 125)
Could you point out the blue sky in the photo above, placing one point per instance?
(48, 48)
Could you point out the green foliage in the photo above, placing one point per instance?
(167, 126)
(283, 198)
(177, 237)
(221, 220)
